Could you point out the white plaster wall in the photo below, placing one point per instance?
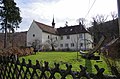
(34, 29)
(45, 38)
(89, 42)
(73, 39)
(76, 39)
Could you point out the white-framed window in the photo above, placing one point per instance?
(81, 36)
(66, 45)
(68, 37)
(48, 36)
(61, 45)
(72, 44)
(56, 38)
(81, 44)
(61, 37)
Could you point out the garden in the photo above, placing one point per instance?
(64, 58)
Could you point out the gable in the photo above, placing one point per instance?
(34, 33)
(33, 27)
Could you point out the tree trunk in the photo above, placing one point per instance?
(53, 49)
(12, 40)
(5, 37)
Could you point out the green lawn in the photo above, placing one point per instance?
(67, 57)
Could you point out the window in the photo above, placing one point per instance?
(33, 35)
(61, 45)
(72, 44)
(68, 37)
(66, 45)
(48, 37)
(61, 37)
(56, 38)
(81, 36)
(81, 44)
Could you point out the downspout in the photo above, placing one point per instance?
(84, 41)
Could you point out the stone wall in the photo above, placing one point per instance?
(17, 39)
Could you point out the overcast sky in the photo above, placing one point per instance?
(63, 10)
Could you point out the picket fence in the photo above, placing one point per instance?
(12, 68)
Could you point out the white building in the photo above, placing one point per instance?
(64, 38)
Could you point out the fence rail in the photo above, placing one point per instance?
(12, 68)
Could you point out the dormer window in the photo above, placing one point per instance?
(33, 35)
(68, 37)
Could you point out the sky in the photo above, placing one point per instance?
(63, 10)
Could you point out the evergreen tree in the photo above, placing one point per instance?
(9, 17)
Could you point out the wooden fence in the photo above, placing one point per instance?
(12, 68)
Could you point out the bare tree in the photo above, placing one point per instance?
(53, 42)
(80, 40)
(45, 47)
(114, 15)
(81, 21)
(100, 18)
(36, 44)
(98, 27)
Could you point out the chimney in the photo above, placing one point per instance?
(66, 24)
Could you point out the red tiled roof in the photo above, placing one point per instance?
(46, 28)
(75, 29)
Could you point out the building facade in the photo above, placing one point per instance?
(64, 38)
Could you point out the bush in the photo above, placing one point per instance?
(19, 51)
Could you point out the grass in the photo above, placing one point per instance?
(67, 57)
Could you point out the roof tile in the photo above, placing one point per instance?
(46, 28)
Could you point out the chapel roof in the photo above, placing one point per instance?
(46, 28)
